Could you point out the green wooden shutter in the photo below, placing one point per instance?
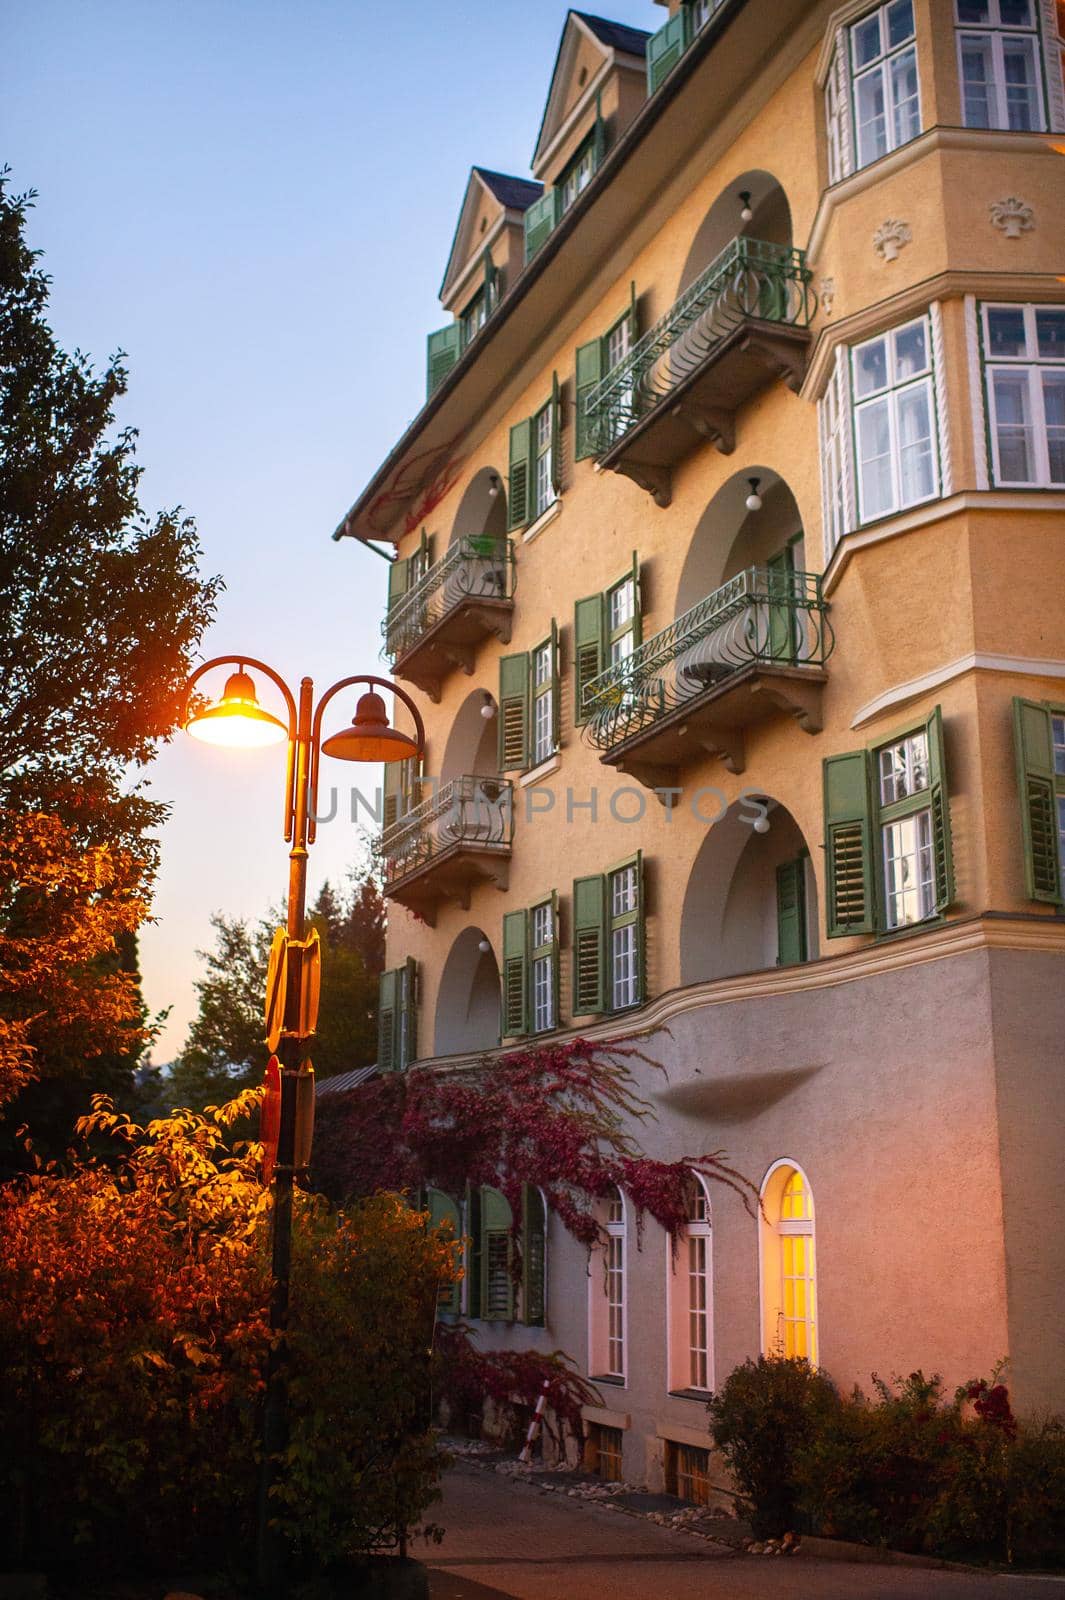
(515, 973)
(589, 648)
(533, 1257)
(492, 283)
(598, 134)
(1033, 737)
(397, 581)
(637, 618)
(519, 503)
(589, 944)
(539, 223)
(556, 434)
(942, 854)
(497, 1283)
(556, 689)
(444, 349)
(443, 1210)
(665, 48)
(387, 1003)
(407, 1030)
(848, 844)
(791, 912)
(589, 372)
(514, 712)
(472, 1220)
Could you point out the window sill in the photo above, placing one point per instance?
(606, 1377)
(534, 529)
(544, 770)
(701, 1395)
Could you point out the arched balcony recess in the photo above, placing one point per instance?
(440, 610)
(467, 1005)
(459, 833)
(751, 899)
(740, 321)
(749, 642)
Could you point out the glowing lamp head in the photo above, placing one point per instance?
(370, 738)
(237, 720)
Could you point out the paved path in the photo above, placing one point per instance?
(508, 1541)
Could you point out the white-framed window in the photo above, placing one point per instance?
(578, 175)
(903, 775)
(606, 1288)
(1024, 367)
(999, 64)
(474, 316)
(624, 935)
(621, 620)
(895, 420)
(689, 1295)
(883, 70)
(543, 475)
(789, 1271)
(543, 688)
(543, 951)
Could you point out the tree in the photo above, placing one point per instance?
(100, 611)
(224, 1050)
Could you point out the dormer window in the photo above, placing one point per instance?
(474, 316)
(577, 175)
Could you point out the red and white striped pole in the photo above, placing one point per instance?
(535, 1424)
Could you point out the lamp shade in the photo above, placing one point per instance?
(237, 720)
(370, 738)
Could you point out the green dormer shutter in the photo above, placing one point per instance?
(1034, 742)
(492, 283)
(539, 223)
(598, 134)
(444, 349)
(665, 48)
(848, 845)
(589, 372)
(589, 632)
(520, 496)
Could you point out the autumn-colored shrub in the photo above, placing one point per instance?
(133, 1340)
(467, 1377)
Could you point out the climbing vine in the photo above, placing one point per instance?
(559, 1116)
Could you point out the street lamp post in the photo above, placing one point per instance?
(238, 719)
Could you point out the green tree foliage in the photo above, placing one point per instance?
(100, 611)
(224, 1049)
(133, 1338)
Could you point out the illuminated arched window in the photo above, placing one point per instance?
(690, 1296)
(789, 1278)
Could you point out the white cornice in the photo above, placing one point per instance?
(978, 661)
(871, 960)
(973, 139)
(875, 318)
(1034, 500)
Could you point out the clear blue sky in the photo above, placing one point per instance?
(255, 199)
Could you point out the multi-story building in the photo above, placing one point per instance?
(730, 572)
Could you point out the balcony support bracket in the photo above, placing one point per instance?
(656, 480)
(802, 700)
(710, 422)
(657, 779)
(781, 356)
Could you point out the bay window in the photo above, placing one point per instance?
(999, 64)
(1024, 356)
(894, 420)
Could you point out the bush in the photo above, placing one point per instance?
(761, 1420)
(133, 1340)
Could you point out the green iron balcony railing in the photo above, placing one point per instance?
(475, 568)
(750, 279)
(760, 616)
(465, 816)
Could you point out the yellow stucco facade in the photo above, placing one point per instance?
(953, 598)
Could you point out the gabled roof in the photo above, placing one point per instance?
(512, 194)
(517, 193)
(617, 35)
(612, 38)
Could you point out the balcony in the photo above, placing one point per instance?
(451, 841)
(756, 648)
(467, 595)
(743, 323)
